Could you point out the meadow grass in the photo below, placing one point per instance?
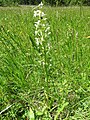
(66, 94)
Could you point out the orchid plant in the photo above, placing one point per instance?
(42, 35)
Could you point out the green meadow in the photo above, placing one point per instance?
(61, 90)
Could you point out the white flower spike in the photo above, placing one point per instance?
(42, 28)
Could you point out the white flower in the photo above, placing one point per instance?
(36, 25)
(45, 19)
(42, 14)
(36, 32)
(37, 13)
(43, 25)
(47, 29)
(42, 39)
(38, 22)
(48, 46)
(37, 41)
(40, 5)
(49, 33)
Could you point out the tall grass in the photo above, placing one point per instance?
(22, 79)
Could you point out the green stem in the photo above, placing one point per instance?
(46, 69)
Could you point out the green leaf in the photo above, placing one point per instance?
(60, 109)
(39, 113)
(31, 114)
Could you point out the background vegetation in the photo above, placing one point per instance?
(66, 95)
(47, 2)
